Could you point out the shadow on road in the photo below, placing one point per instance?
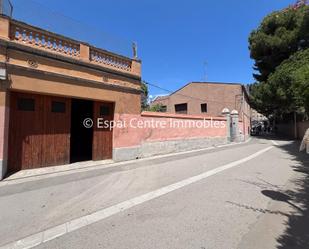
(296, 234)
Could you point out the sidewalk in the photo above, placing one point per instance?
(43, 173)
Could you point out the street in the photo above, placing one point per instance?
(250, 195)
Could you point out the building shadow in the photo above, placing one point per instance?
(296, 234)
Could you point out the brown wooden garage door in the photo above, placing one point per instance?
(39, 131)
(102, 137)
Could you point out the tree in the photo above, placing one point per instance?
(291, 81)
(144, 96)
(157, 108)
(280, 35)
(279, 48)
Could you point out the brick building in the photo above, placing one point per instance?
(48, 85)
(207, 99)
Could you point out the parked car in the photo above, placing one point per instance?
(256, 130)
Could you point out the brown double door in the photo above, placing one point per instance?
(40, 132)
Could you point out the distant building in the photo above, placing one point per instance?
(160, 100)
(205, 98)
(208, 98)
(257, 117)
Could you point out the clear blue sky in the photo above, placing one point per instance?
(175, 38)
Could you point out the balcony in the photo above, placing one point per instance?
(45, 41)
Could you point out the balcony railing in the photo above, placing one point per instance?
(44, 40)
(105, 58)
(50, 42)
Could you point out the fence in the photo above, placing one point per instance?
(288, 129)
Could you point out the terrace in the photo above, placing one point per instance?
(27, 36)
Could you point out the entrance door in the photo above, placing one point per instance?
(81, 137)
(49, 130)
(39, 131)
(103, 137)
(57, 124)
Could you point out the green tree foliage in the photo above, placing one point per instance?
(287, 89)
(290, 83)
(280, 50)
(157, 108)
(144, 96)
(280, 35)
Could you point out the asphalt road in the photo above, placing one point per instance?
(252, 195)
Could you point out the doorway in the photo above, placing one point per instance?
(39, 131)
(81, 137)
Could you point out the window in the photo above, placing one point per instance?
(58, 107)
(204, 107)
(25, 104)
(163, 108)
(181, 108)
(104, 110)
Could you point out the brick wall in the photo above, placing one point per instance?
(216, 95)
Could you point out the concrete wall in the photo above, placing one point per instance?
(48, 64)
(125, 102)
(302, 128)
(169, 133)
(287, 129)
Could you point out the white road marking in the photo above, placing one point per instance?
(60, 230)
(274, 143)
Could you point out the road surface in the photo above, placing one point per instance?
(252, 195)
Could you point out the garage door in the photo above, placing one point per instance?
(39, 132)
(102, 137)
